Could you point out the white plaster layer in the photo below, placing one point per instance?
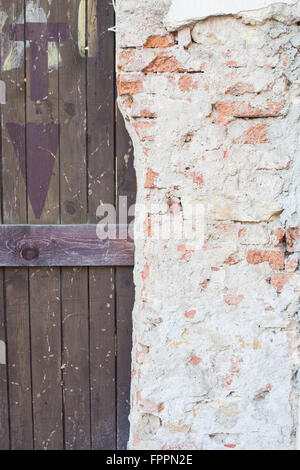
(182, 13)
(216, 327)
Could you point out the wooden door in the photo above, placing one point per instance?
(65, 297)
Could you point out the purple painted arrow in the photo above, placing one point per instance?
(41, 144)
(39, 35)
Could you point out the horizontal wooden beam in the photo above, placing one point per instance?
(62, 245)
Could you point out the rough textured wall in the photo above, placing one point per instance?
(214, 115)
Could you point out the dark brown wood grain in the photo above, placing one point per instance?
(19, 358)
(75, 359)
(101, 184)
(44, 282)
(4, 409)
(13, 183)
(4, 397)
(102, 358)
(72, 118)
(66, 297)
(73, 205)
(61, 245)
(46, 358)
(14, 211)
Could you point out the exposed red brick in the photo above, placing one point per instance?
(146, 113)
(146, 272)
(186, 83)
(124, 58)
(280, 280)
(187, 251)
(232, 259)
(233, 299)
(148, 227)
(160, 407)
(174, 206)
(129, 85)
(240, 88)
(293, 240)
(230, 446)
(149, 405)
(291, 265)
(196, 177)
(141, 128)
(278, 236)
(194, 360)
(227, 110)
(257, 134)
(232, 63)
(151, 178)
(160, 41)
(162, 64)
(274, 258)
(190, 314)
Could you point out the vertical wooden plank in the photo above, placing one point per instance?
(100, 121)
(15, 211)
(46, 358)
(100, 106)
(102, 357)
(13, 70)
(72, 117)
(42, 136)
(76, 358)
(4, 413)
(4, 404)
(73, 184)
(126, 186)
(42, 117)
(18, 349)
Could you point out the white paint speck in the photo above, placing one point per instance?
(2, 353)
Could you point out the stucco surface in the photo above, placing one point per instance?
(214, 115)
(182, 13)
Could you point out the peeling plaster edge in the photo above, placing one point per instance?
(286, 12)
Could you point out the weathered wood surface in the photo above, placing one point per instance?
(4, 426)
(74, 210)
(61, 245)
(15, 211)
(65, 308)
(101, 189)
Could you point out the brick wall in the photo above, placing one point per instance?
(213, 111)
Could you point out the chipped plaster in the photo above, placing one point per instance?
(182, 13)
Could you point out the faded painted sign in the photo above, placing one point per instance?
(14, 59)
(42, 143)
(39, 35)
